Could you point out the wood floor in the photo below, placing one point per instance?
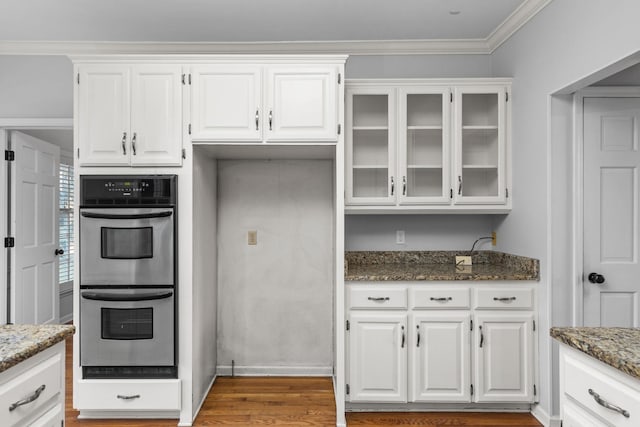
(286, 401)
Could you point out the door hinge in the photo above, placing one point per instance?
(78, 153)
(78, 78)
(535, 390)
(184, 153)
(189, 128)
(347, 388)
(339, 78)
(339, 128)
(534, 325)
(471, 322)
(471, 389)
(184, 79)
(348, 325)
(506, 193)
(189, 78)
(450, 96)
(9, 155)
(9, 242)
(451, 193)
(506, 96)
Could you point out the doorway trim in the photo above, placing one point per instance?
(7, 125)
(577, 268)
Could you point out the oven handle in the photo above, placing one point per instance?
(127, 216)
(106, 296)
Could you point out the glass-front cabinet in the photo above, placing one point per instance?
(427, 146)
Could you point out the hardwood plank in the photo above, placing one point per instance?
(291, 401)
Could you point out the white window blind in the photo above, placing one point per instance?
(65, 270)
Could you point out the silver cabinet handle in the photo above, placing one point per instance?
(133, 143)
(124, 143)
(404, 185)
(441, 299)
(481, 336)
(257, 118)
(378, 298)
(608, 405)
(504, 299)
(393, 186)
(133, 396)
(270, 119)
(459, 185)
(418, 339)
(36, 394)
(403, 338)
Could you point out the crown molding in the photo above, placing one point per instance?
(484, 46)
(36, 123)
(527, 10)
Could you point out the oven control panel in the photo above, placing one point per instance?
(101, 190)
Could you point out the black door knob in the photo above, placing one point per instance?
(59, 251)
(596, 278)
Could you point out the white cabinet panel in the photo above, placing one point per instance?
(441, 357)
(129, 395)
(378, 357)
(504, 357)
(104, 115)
(301, 104)
(227, 103)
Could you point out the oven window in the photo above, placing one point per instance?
(127, 243)
(127, 323)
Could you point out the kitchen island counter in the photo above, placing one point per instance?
(20, 342)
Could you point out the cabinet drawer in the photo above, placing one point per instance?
(129, 395)
(52, 418)
(504, 298)
(585, 384)
(377, 298)
(434, 298)
(42, 382)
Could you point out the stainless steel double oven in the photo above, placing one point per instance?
(128, 277)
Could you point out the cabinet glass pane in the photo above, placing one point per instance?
(424, 110)
(370, 110)
(480, 182)
(479, 147)
(424, 182)
(370, 182)
(371, 147)
(480, 109)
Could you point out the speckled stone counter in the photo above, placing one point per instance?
(617, 347)
(437, 266)
(20, 342)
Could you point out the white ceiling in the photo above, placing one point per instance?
(249, 21)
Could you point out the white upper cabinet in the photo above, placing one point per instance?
(249, 103)
(226, 103)
(129, 115)
(436, 146)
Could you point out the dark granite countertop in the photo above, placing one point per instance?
(437, 266)
(617, 347)
(20, 342)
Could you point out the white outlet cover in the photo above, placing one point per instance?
(400, 237)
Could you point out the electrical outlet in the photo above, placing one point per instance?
(400, 237)
(494, 238)
(252, 237)
(463, 260)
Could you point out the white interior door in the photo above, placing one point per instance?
(34, 206)
(611, 162)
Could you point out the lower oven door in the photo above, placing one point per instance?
(127, 327)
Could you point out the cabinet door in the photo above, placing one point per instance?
(441, 357)
(424, 146)
(103, 115)
(504, 362)
(371, 147)
(480, 145)
(378, 357)
(226, 103)
(156, 115)
(302, 104)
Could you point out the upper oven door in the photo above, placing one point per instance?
(127, 246)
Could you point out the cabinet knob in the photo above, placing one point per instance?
(596, 278)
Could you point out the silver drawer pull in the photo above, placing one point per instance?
(504, 299)
(608, 405)
(441, 299)
(133, 396)
(378, 299)
(36, 394)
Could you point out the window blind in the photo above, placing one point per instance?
(65, 224)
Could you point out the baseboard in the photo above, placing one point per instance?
(66, 319)
(545, 419)
(275, 371)
(204, 397)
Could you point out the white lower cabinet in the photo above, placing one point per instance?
(378, 362)
(129, 395)
(441, 344)
(595, 394)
